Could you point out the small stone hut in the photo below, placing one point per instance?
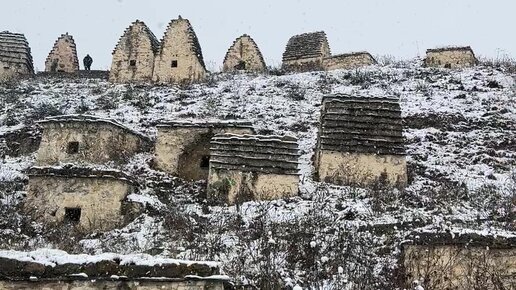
(244, 54)
(306, 52)
(56, 270)
(450, 57)
(90, 199)
(252, 167)
(15, 56)
(134, 55)
(87, 139)
(349, 60)
(63, 56)
(179, 58)
(460, 261)
(360, 141)
(183, 148)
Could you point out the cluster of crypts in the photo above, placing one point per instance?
(177, 58)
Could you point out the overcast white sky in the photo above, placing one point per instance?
(402, 28)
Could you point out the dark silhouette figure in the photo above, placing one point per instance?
(87, 62)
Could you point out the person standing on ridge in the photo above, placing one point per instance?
(87, 61)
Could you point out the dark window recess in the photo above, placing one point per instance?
(174, 63)
(6, 67)
(132, 62)
(448, 65)
(72, 214)
(205, 161)
(73, 147)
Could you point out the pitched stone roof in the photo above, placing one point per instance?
(71, 171)
(69, 39)
(306, 45)
(251, 41)
(255, 153)
(207, 124)
(153, 40)
(91, 119)
(450, 48)
(195, 46)
(14, 48)
(361, 124)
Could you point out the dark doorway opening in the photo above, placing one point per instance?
(205, 161)
(174, 63)
(72, 215)
(73, 147)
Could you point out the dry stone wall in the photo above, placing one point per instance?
(63, 56)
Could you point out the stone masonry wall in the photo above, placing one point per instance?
(148, 284)
(450, 58)
(348, 61)
(100, 200)
(179, 59)
(346, 168)
(98, 143)
(233, 186)
(459, 267)
(244, 51)
(133, 57)
(179, 150)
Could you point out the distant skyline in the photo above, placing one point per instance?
(401, 28)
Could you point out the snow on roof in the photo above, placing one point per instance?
(91, 119)
(500, 240)
(18, 264)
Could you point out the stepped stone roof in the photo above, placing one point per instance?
(91, 119)
(14, 48)
(306, 45)
(153, 39)
(195, 46)
(71, 171)
(450, 48)
(255, 153)
(69, 39)
(361, 125)
(253, 43)
(207, 124)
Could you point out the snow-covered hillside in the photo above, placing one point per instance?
(460, 129)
